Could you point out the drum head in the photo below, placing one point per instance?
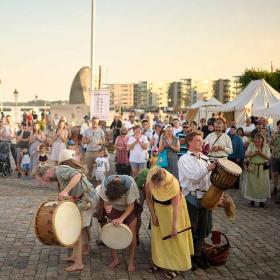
(230, 166)
(67, 223)
(116, 237)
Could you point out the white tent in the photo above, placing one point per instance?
(203, 109)
(206, 103)
(258, 94)
(270, 111)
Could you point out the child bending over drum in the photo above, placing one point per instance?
(121, 195)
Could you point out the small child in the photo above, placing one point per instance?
(25, 163)
(71, 145)
(43, 154)
(78, 153)
(101, 166)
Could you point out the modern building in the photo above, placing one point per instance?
(203, 89)
(141, 94)
(226, 90)
(180, 94)
(121, 96)
(158, 95)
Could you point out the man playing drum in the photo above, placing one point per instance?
(120, 194)
(72, 183)
(194, 176)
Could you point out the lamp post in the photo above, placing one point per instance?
(16, 96)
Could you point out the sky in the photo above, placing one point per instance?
(44, 43)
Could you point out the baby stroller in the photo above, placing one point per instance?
(5, 164)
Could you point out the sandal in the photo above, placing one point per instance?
(171, 274)
(154, 269)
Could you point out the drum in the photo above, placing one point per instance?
(58, 223)
(116, 237)
(225, 174)
(222, 178)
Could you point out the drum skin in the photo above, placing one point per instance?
(55, 227)
(116, 237)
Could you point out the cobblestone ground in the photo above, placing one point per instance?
(254, 238)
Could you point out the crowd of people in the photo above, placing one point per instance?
(167, 161)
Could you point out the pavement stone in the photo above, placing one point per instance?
(254, 238)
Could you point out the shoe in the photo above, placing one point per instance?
(252, 203)
(194, 265)
(274, 192)
(201, 263)
(262, 204)
(19, 175)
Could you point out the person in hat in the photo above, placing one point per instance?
(194, 176)
(72, 183)
(169, 215)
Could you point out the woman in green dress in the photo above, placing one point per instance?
(256, 184)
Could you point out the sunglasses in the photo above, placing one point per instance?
(185, 126)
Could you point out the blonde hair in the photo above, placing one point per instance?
(229, 206)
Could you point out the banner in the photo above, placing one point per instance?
(100, 104)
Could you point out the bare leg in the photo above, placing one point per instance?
(86, 249)
(115, 259)
(132, 247)
(77, 257)
(134, 172)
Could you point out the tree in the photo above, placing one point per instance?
(272, 78)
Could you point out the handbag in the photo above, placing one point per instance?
(162, 160)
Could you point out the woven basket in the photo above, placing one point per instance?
(217, 253)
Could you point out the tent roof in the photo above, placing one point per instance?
(270, 111)
(258, 93)
(205, 103)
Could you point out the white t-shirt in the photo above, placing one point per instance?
(102, 164)
(176, 130)
(137, 154)
(249, 129)
(25, 159)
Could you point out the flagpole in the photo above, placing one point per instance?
(92, 46)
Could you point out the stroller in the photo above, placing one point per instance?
(5, 164)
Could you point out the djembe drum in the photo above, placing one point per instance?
(222, 178)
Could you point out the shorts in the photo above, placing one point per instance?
(26, 167)
(275, 165)
(100, 176)
(138, 165)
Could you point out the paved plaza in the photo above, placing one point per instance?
(254, 238)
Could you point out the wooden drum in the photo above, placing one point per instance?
(222, 178)
(225, 174)
(58, 223)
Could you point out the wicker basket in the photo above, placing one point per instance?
(218, 252)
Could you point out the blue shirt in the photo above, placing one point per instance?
(183, 147)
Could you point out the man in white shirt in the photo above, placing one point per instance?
(194, 177)
(176, 127)
(220, 144)
(129, 125)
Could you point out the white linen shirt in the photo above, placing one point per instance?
(223, 141)
(193, 174)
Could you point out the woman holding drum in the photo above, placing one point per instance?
(121, 202)
(74, 184)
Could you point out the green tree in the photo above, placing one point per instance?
(272, 78)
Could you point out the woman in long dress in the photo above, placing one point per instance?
(172, 144)
(256, 183)
(59, 139)
(169, 215)
(36, 139)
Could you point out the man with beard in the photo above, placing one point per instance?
(220, 143)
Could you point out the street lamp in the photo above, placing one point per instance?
(16, 96)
